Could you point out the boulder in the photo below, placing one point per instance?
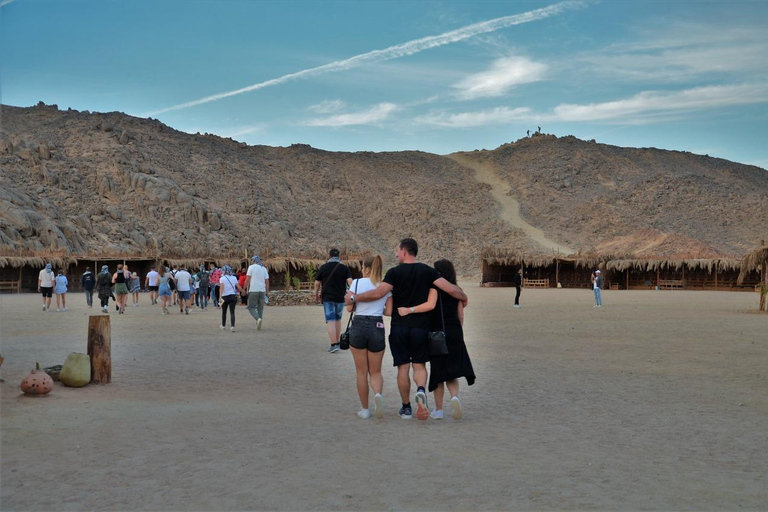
(45, 153)
(123, 138)
(76, 371)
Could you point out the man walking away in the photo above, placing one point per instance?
(518, 285)
(597, 285)
(183, 287)
(410, 283)
(151, 283)
(88, 282)
(205, 282)
(257, 286)
(334, 277)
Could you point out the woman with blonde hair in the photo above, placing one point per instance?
(164, 279)
(366, 337)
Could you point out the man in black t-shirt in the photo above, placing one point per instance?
(410, 283)
(334, 277)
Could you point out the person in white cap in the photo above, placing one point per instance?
(597, 285)
(257, 287)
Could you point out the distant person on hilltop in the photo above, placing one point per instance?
(256, 289)
(334, 277)
(88, 282)
(528, 133)
(518, 286)
(410, 283)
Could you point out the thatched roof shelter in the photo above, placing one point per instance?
(754, 261)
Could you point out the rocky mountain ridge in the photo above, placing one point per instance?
(114, 185)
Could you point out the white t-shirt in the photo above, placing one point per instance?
(258, 275)
(375, 308)
(228, 285)
(182, 280)
(46, 279)
(152, 278)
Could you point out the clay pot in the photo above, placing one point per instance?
(37, 383)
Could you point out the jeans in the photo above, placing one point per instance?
(598, 297)
(517, 296)
(203, 291)
(256, 304)
(89, 297)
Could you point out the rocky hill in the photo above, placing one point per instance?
(110, 184)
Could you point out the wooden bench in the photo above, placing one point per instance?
(671, 284)
(536, 283)
(14, 286)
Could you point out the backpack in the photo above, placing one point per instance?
(171, 283)
(205, 279)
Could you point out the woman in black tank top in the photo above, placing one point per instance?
(121, 289)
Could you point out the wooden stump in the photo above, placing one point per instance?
(100, 349)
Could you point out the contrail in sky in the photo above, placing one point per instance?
(397, 51)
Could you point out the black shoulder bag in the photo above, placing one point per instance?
(344, 338)
(437, 344)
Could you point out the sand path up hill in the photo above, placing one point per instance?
(510, 207)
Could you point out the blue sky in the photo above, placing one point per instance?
(437, 76)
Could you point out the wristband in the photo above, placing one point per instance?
(352, 298)
(411, 310)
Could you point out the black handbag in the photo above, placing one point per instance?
(437, 343)
(344, 338)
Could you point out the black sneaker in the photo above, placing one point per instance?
(406, 413)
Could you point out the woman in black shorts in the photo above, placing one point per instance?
(366, 337)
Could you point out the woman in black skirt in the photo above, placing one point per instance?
(456, 364)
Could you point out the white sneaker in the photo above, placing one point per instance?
(232, 329)
(517, 305)
(258, 324)
(378, 406)
(64, 309)
(57, 310)
(456, 408)
(364, 413)
(436, 415)
(43, 308)
(221, 327)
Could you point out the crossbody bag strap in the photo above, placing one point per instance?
(354, 307)
(440, 300)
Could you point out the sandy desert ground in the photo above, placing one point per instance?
(657, 401)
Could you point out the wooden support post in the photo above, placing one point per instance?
(18, 288)
(716, 276)
(627, 279)
(557, 271)
(657, 276)
(100, 349)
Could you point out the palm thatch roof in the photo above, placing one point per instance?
(756, 260)
(673, 264)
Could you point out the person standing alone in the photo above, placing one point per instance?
(334, 277)
(597, 285)
(518, 286)
(257, 287)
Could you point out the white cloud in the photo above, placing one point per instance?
(238, 131)
(655, 102)
(648, 107)
(327, 107)
(498, 115)
(681, 52)
(397, 51)
(504, 74)
(372, 115)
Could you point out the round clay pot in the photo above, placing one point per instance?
(37, 383)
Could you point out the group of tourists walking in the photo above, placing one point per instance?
(423, 302)
(168, 287)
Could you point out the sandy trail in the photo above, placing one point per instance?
(510, 207)
(657, 401)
